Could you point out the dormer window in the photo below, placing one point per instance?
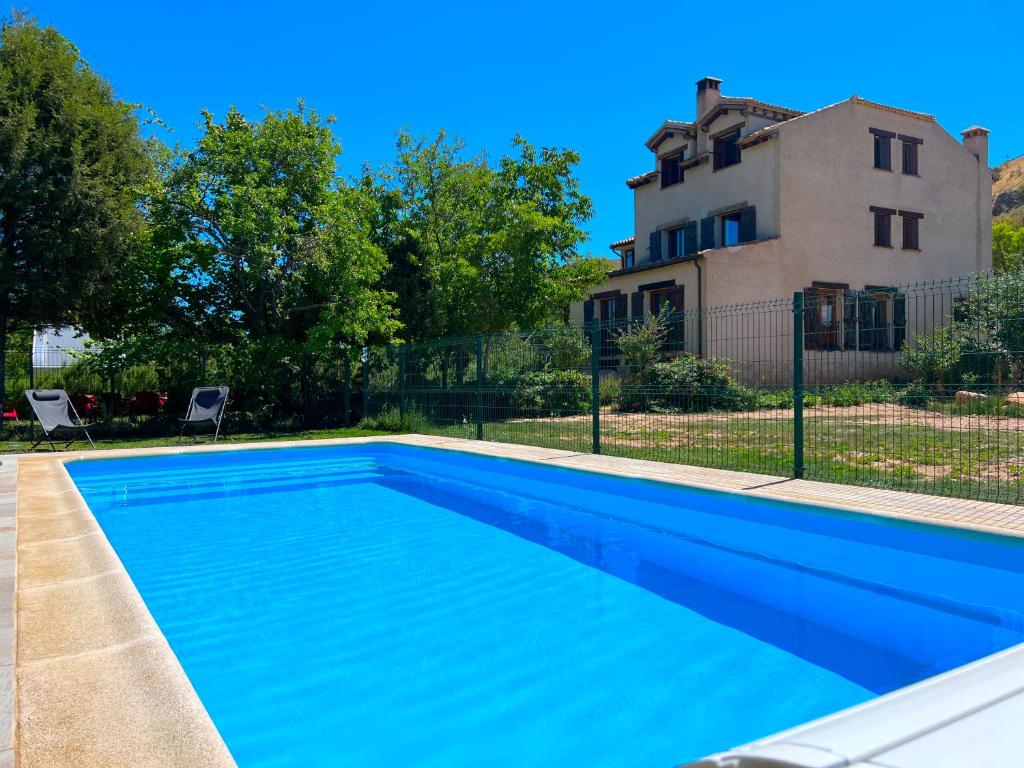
(726, 150)
(671, 169)
(628, 258)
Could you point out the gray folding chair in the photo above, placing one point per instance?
(205, 409)
(56, 413)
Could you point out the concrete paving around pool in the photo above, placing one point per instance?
(87, 679)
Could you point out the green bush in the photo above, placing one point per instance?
(857, 393)
(391, 419)
(540, 393)
(917, 394)
(954, 356)
(684, 384)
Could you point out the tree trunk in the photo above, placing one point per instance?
(3, 360)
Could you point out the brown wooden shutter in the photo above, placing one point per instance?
(638, 304)
(812, 319)
(850, 319)
(620, 306)
(588, 311)
(899, 320)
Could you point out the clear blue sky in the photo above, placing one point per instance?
(598, 78)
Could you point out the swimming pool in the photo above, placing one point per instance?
(370, 604)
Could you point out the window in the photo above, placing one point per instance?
(910, 145)
(883, 148)
(730, 229)
(675, 242)
(607, 309)
(874, 321)
(726, 150)
(883, 226)
(821, 318)
(628, 258)
(672, 169)
(661, 300)
(911, 241)
(738, 226)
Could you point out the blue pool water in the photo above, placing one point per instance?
(387, 605)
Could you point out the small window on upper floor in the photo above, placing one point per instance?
(910, 145)
(730, 229)
(675, 242)
(883, 226)
(628, 258)
(911, 230)
(671, 169)
(883, 148)
(726, 150)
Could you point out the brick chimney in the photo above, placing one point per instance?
(708, 94)
(976, 142)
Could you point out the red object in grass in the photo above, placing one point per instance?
(10, 412)
(147, 403)
(85, 405)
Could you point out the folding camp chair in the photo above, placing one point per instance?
(205, 409)
(56, 413)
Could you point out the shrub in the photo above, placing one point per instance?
(685, 384)
(391, 419)
(917, 394)
(954, 356)
(857, 393)
(542, 393)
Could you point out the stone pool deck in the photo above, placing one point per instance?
(88, 680)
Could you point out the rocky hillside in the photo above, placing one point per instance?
(1008, 190)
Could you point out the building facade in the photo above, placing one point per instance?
(753, 201)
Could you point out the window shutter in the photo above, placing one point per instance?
(885, 153)
(690, 238)
(812, 318)
(865, 319)
(849, 319)
(707, 233)
(588, 311)
(656, 246)
(638, 304)
(675, 339)
(620, 306)
(748, 224)
(899, 320)
(718, 154)
(675, 297)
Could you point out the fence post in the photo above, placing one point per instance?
(798, 384)
(346, 371)
(401, 382)
(366, 382)
(595, 384)
(479, 386)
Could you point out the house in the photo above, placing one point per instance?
(752, 201)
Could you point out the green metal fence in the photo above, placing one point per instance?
(913, 387)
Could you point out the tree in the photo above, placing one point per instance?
(1007, 246)
(473, 247)
(260, 245)
(72, 162)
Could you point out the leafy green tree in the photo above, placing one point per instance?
(1007, 246)
(72, 163)
(475, 247)
(260, 245)
(260, 239)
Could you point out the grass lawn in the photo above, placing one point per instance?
(9, 444)
(880, 446)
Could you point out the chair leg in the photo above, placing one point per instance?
(89, 438)
(216, 432)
